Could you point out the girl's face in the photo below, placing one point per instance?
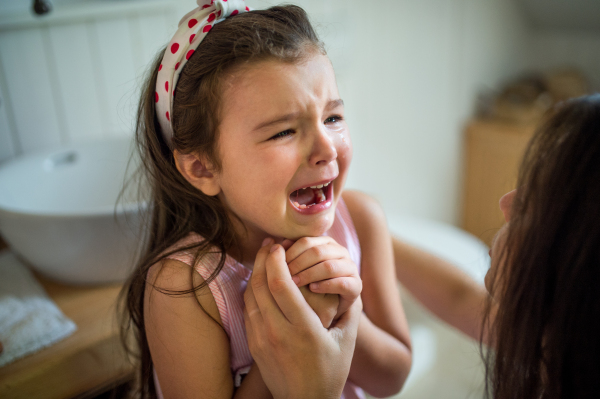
(284, 148)
(498, 268)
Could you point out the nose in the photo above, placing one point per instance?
(506, 204)
(323, 149)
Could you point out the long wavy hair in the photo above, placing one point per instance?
(176, 208)
(547, 329)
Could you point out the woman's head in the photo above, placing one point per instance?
(546, 263)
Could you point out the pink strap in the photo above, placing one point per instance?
(193, 27)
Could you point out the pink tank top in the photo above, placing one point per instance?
(228, 291)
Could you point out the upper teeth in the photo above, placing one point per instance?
(320, 185)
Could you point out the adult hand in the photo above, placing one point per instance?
(297, 357)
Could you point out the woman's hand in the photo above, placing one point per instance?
(296, 356)
(325, 266)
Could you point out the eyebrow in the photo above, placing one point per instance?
(288, 117)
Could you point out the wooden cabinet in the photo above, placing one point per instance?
(87, 363)
(493, 152)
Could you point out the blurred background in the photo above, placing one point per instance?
(412, 74)
(441, 98)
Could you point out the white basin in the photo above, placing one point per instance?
(59, 212)
(446, 364)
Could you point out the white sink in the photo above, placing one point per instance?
(59, 212)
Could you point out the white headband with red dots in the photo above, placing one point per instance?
(193, 27)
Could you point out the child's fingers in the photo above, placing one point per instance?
(348, 288)
(303, 244)
(343, 286)
(285, 293)
(325, 270)
(317, 254)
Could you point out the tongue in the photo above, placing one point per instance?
(304, 196)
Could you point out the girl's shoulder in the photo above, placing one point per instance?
(365, 211)
(186, 251)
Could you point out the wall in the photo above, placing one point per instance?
(559, 48)
(409, 72)
(75, 74)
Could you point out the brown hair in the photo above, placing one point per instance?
(547, 328)
(177, 208)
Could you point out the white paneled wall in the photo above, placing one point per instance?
(409, 72)
(76, 76)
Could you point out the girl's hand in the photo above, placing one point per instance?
(325, 267)
(325, 305)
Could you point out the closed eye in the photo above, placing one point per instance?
(283, 134)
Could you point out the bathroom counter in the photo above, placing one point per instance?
(87, 363)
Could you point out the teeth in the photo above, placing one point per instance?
(320, 185)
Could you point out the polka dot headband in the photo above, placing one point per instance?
(193, 27)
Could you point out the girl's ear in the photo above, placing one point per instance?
(198, 171)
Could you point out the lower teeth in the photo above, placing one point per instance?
(320, 198)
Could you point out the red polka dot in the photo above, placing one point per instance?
(168, 117)
(211, 17)
(155, 97)
(192, 37)
(174, 47)
(174, 92)
(247, 8)
(177, 66)
(189, 54)
(234, 12)
(206, 28)
(160, 67)
(219, 13)
(205, 6)
(167, 86)
(192, 22)
(223, 0)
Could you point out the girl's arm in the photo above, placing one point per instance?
(444, 289)
(382, 357)
(190, 349)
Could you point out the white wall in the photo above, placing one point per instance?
(409, 72)
(556, 49)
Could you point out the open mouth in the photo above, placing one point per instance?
(310, 196)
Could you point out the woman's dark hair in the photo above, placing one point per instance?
(547, 329)
(176, 208)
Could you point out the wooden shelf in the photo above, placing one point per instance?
(493, 154)
(90, 360)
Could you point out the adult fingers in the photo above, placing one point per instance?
(252, 318)
(346, 327)
(285, 292)
(260, 287)
(324, 270)
(303, 244)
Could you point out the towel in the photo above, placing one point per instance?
(29, 319)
